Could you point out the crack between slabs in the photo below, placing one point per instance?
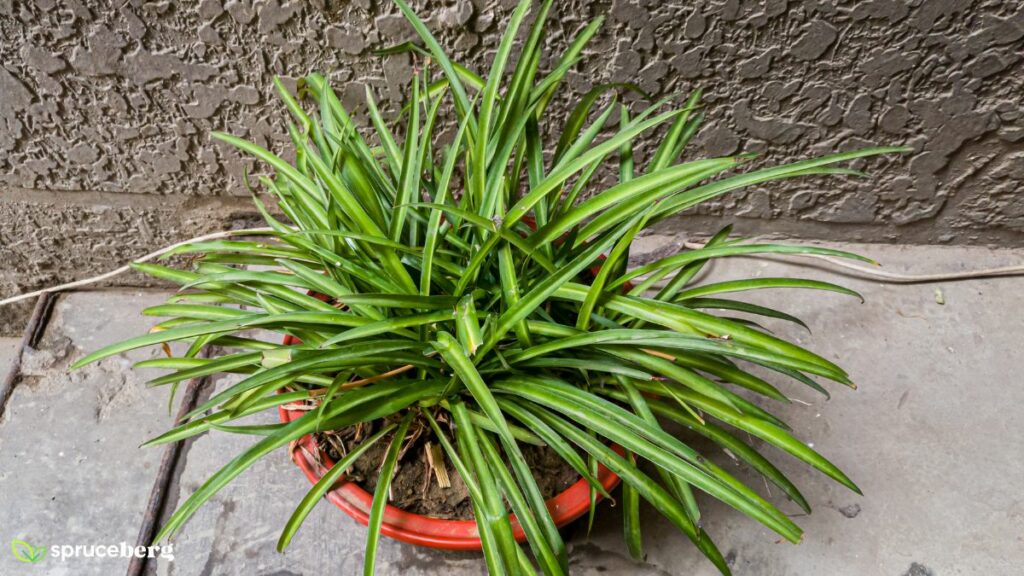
(34, 330)
(172, 463)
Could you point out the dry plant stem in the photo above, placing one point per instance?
(128, 267)
(896, 278)
(435, 457)
(410, 440)
(879, 275)
(314, 458)
(425, 484)
(660, 354)
(365, 381)
(330, 437)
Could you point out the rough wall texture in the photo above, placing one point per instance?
(108, 106)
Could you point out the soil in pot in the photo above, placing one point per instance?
(414, 487)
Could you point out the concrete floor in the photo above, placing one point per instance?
(8, 346)
(932, 437)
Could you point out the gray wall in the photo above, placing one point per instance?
(105, 108)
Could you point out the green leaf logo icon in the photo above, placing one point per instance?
(27, 553)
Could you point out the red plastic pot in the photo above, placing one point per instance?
(425, 530)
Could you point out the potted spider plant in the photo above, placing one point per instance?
(453, 291)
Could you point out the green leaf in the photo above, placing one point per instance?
(461, 100)
(453, 353)
(535, 535)
(670, 147)
(489, 543)
(660, 448)
(554, 180)
(400, 396)
(180, 333)
(633, 196)
(409, 181)
(325, 484)
(680, 488)
(434, 222)
(723, 304)
(631, 517)
(544, 289)
(729, 442)
(196, 312)
(759, 283)
(304, 363)
(574, 123)
(483, 223)
(388, 325)
(491, 514)
(381, 492)
(554, 441)
(467, 324)
(656, 339)
(684, 320)
(733, 250)
(659, 498)
(801, 168)
(486, 202)
(770, 433)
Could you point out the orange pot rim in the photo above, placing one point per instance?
(428, 531)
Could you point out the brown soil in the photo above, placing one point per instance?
(414, 487)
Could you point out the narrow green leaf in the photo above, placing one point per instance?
(770, 433)
(388, 326)
(555, 179)
(489, 542)
(631, 517)
(467, 324)
(492, 513)
(409, 180)
(381, 493)
(324, 485)
(722, 304)
(655, 445)
(659, 498)
(535, 535)
(759, 283)
(801, 168)
(458, 91)
(453, 353)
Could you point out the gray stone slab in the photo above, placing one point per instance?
(71, 472)
(8, 346)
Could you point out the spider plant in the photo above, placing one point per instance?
(477, 283)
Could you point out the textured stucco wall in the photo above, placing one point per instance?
(105, 108)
